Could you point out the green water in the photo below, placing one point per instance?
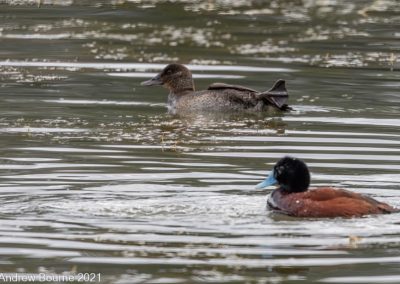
(97, 177)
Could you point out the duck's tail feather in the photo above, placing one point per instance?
(382, 207)
(386, 208)
(277, 95)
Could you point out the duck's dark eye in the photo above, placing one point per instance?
(278, 170)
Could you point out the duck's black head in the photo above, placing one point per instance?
(175, 77)
(291, 174)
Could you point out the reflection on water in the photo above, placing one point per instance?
(95, 176)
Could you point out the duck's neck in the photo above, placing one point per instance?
(287, 190)
(181, 86)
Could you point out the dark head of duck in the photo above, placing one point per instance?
(175, 77)
(291, 174)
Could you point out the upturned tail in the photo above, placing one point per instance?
(277, 95)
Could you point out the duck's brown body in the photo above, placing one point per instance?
(218, 97)
(221, 97)
(326, 202)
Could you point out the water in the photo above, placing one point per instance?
(96, 177)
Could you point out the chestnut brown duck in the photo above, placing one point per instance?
(218, 97)
(293, 197)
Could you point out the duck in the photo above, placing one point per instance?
(218, 97)
(293, 197)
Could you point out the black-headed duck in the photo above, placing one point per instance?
(218, 97)
(292, 196)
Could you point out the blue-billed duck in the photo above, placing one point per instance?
(292, 196)
(218, 97)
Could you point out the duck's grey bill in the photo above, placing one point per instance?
(152, 82)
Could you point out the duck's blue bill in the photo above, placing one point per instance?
(270, 180)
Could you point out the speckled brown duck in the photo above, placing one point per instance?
(219, 97)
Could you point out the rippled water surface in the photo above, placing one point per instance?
(95, 176)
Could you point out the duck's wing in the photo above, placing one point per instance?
(277, 95)
(348, 203)
(246, 97)
(381, 206)
(223, 86)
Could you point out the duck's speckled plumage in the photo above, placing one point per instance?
(218, 97)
